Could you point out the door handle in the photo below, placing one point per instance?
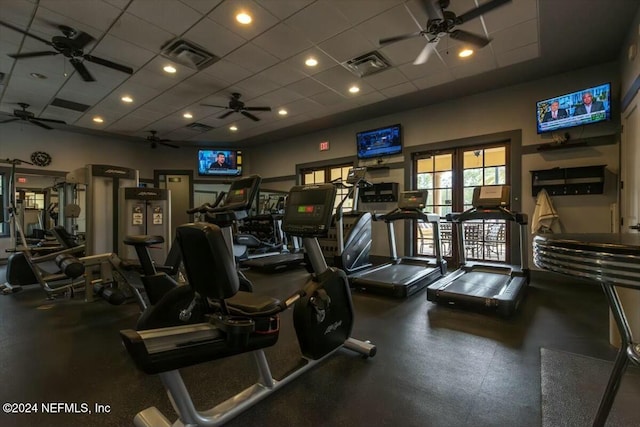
(635, 227)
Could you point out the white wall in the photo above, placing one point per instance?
(630, 68)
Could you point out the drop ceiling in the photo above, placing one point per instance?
(264, 61)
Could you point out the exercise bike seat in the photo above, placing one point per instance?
(143, 239)
(250, 303)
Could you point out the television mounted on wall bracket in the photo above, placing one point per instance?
(380, 142)
(221, 162)
(582, 107)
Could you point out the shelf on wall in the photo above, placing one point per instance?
(569, 181)
(578, 143)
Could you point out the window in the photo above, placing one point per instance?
(331, 174)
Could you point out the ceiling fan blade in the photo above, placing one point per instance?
(480, 10)
(471, 38)
(82, 39)
(228, 113)
(216, 106)
(37, 123)
(389, 40)
(432, 9)
(257, 108)
(251, 116)
(426, 52)
(33, 54)
(168, 145)
(10, 120)
(109, 64)
(82, 70)
(14, 28)
(51, 121)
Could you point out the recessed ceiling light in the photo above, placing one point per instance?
(38, 76)
(465, 53)
(283, 112)
(243, 18)
(233, 128)
(187, 116)
(311, 62)
(127, 99)
(170, 69)
(354, 89)
(98, 119)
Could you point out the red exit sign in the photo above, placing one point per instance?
(22, 180)
(324, 145)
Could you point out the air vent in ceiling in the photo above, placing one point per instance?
(200, 127)
(367, 64)
(188, 54)
(69, 105)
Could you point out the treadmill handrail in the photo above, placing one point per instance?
(488, 213)
(402, 214)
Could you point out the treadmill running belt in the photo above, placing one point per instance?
(396, 274)
(479, 284)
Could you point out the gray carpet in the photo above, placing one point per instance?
(572, 386)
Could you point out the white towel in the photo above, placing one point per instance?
(545, 218)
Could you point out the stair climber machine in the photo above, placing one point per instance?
(485, 285)
(348, 242)
(179, 304)
(243, 322)
(404, 276)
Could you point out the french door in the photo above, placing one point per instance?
(450, 177)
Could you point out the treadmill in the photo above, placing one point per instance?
(403, 277)
(485, 285)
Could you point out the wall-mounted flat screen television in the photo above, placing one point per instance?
(582, 107)
(379, 142)
(219, 162)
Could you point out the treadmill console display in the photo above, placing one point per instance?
(413, 199)
(491, 196)
(309, 210)
(356, 174)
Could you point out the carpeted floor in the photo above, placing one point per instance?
(572, 386)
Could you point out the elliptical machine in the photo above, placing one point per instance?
(242, 322)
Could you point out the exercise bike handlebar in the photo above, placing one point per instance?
(208, 207)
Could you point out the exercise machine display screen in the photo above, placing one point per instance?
(491, 196)
(356, 175)
(413, 199)
(242, 192)
(309, 210)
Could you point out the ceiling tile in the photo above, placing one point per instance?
(202, 6)
(252, 58)
(346, 45)
(433, 65)
(214, 37)
(337, 78)
(300, 106)
(227, 71)
(307, 87)
(122, 52)
(405, 51)
(477, 66)
(394, 22)
(284, 8)
(57, 113)
(16, 12)
(255, 86)
(520, 54)
(95, 13)
(282, 41)
(510, 14)
(225, 14)
(357, 11)
(120, 4)
(324, 62)
(172, 16)
(319, 21)
(398, 90)
(370, 98)
(277, 97)
(140, 33)
(47, 21)
(328, 97)
(515, 36)
(431, 80)
(283, 74)
(138, 92)
(386, 78)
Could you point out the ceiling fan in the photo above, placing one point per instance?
(155, 140)
(28, 116)
(237, 106)
(71, 45)
(441, 22)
